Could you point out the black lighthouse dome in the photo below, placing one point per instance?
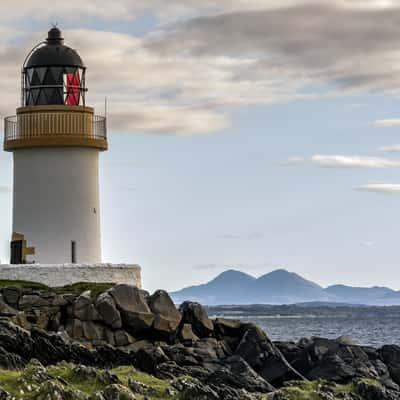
(53, 73)
(54, 52)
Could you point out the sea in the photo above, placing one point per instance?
(376, 328)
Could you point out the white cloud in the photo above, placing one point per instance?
(386, 123)
(342, 161)
(394, 148)
(381, 188)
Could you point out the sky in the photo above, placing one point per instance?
(246, 134)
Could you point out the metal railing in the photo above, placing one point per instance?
(45, 124)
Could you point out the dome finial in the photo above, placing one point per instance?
(54, 35)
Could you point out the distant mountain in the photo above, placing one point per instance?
(360, 295)
(280, 287)
(230, 287)
(235, 287)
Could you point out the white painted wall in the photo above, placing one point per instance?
(56, 200)
(66, 274)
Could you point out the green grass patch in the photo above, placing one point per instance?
(23, 284)
(80, 287)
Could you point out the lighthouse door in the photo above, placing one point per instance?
(16, 251)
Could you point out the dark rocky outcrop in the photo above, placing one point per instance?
(227, 359)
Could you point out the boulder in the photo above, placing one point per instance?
(117, 392)
(195, 315)
(107, 308)
(6, 310)
(186, 334)
(167, 317)
(236, 372)
(369, 390)
(84, 308)
(265, 358)
(391, 357)
(93, 331)
(123, 338)
(29, 301)
(74, 329)
(228, 327)
(149, 357)
(135, 312)
(12, 295)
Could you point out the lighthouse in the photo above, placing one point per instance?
(55, 139)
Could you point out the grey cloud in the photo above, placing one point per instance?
(354, 48)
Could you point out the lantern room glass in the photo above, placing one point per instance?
(49, 85)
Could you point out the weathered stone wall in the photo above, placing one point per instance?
(66, 274)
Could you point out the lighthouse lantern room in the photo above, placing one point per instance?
(55, 140)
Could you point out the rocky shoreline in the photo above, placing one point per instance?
(170, 353)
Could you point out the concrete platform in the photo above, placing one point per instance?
(56, 275)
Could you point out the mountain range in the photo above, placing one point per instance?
(280, 287)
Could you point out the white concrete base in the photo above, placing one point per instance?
(57, 275)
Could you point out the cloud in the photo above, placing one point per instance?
(386, 123)
(390, 188)
(395, 148)
(342, 161)
(249, 236)
(199, 61)
(367, 243)
(207, 266)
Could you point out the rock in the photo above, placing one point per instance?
(9, 360)
(195, 315)
(21, 320)
(186, 334)
(236, 372)
(265, 358)
(117, 392)
(195, 390)
(228, 327)
(6, 310)
(169, 370)
(52, 390)
(123, 338)
(374, 391)
(149, 357)
(208, 350)
(136, 314)
(84, 308)
(74, 329)
(89, 373)
(391, 357)
(29, 301)
(107, 308)
(93, 331)
(167, 317)
(11, 295)
(4, 395)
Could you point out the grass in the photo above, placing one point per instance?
(23, 284)
(72, 379)
(80, 287)
(65, 373)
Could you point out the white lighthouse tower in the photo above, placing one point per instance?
(55, 139)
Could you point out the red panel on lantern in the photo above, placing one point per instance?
(72, 86)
